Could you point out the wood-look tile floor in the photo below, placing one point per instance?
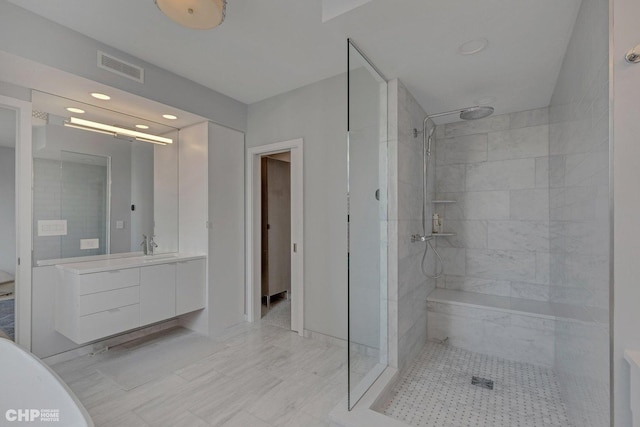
(256, 375)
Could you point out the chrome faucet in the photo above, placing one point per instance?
(144, 244)
(151, 245)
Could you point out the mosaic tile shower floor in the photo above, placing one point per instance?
(436, 391)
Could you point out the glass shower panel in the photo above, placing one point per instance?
(367, 187)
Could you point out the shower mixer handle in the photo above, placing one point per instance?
(419, 238)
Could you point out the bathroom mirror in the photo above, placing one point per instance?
(100, 182)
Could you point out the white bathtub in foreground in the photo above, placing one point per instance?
(31, 393)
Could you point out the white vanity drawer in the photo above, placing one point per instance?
(105, 323)
(108, 280)
(101, 301)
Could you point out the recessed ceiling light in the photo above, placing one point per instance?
(485, 100)
(142, 126)
(101, 96)
(473, 46)
(169, 116)
(75, 110)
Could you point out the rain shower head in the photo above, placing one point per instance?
(475, 113)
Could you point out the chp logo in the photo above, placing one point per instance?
(33, 415)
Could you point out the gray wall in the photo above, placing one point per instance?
(579, 216)
(8, 209)
(317, 113)
(30, 36)
(408, 286)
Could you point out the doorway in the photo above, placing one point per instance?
(281, 254)
(275, 188)
(8, 132)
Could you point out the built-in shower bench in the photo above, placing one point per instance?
(511, 328)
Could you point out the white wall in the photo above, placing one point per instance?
(626, 176)
(318, 114)
(30, 36)
(8, 209)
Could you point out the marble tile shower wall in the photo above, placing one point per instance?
(497, 171)
(408, 286)
(579, 217)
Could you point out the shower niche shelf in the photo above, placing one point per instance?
(443, 201)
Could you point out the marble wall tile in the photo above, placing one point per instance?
(543, 260)
(519, 235)
(519, 143)
(501, 175)
(542, 172)
(486, 205)
(531, 291)
(556, 171)
(529, 205)
(474, 284)
(453, 260)
(490, 124)
(522, 119)
(450, 178)
(572, 204)
(587, 169)
(501, 265)
(462, 149)
(469, 234)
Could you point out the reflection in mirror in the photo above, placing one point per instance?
(97, 192)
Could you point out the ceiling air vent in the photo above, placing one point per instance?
(120, 67)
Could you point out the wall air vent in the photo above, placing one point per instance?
(120, 67)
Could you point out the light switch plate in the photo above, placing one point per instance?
(52, 227)
(119, 225)
(89, 244)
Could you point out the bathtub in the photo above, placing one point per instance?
(31, 393)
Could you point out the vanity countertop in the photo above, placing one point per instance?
(110, 264)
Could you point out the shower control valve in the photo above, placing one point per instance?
(419, 238)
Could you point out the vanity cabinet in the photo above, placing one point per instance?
(91, 304)
(190, 294)
(157, 293)
(98, 304)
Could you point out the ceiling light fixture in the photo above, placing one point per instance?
(77, 123)
(142, 126)
(473, 46)
(75, 110)
(195, 14)
(101, 96)
(169, 117)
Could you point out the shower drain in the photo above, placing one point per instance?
(482, 382)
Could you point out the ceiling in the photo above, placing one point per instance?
(266, 48)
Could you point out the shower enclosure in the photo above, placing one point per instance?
(367, 228)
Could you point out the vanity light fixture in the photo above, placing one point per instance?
(195, 14)
(169, 117)
(100, 96)
(77, 123)
(142, 126)
(75, 110)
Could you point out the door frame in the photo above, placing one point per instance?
(254, 234)
(24, 167)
